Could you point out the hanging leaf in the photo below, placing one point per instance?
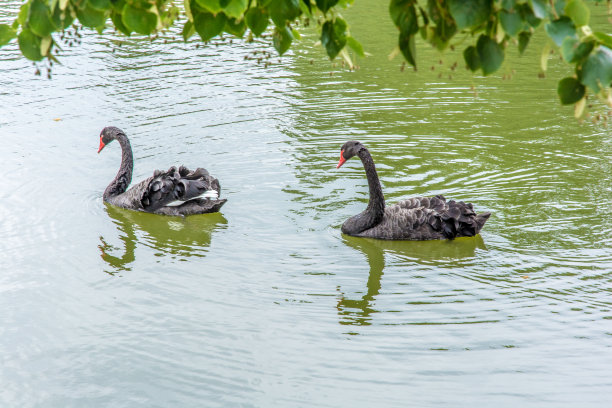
(257, 20)
(333, 36)
(355, 46)
(6, 34)
(282, 11)
(528, 15)
(139, 20)
(470, 13)
(597, 69)
(235, 8)
(539, 8)
(573, 50)
(511, 21)
(188, 30)
(570, 90)
(404, 15)
(39, 20)
(471, 57)
(235, 27)
(604, 39)
(62, 18)
(212, 6)
(408, 47)
(282, 38)
(91, 17)
(559, 29)
(100, 4)
(117, 19)
(29, 44)
(578, 12)
(491, 54)
(209, 25)
(524, 38)
(325, 5)
(508, 5)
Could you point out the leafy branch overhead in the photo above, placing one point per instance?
(485, 28)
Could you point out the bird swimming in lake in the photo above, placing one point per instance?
(172, 192)
(417, 219)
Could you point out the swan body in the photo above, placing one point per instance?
(417, 219)
(172, 192)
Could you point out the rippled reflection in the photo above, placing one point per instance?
(177, 237)
(358, 311)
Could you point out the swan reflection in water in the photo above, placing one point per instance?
(180, 237)
(358, 311)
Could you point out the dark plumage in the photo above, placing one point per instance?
(418, 219)
(172, 192)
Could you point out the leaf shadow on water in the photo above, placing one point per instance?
(358, 312)
(180, 237)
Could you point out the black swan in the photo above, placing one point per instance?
(417, 219)
(172, 192)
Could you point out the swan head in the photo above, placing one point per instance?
(348, 150)
(109, 134)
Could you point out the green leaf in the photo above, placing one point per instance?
(39, 19)
(527, 15)
(235, 8)
(470, 13)
(118, 5)
(213, 6)
(561, 28)
(570, 90)
(91, 17)
(235, 27)
(62, 18)
(539, 8)
(404, 15)
(597, 69)
(524, 38)
(408, 48)
(511, 22)
(139, 20)
(470, 55)
(325, 5)
(491, 54)
(573, 50)
(282, 38)
(117, 19)
(578, 12)
(188, 30)
(442, 33)
(355, 46)
(209, 25)
(508, 5)
(100, 4)
(257, 20)
(22, 17)
(604, 39)
(6, 34)
(29, 44)
(282, 11)
(333, 36)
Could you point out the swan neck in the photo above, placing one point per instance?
(376, 205)
(124, 176)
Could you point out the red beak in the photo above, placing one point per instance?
(101, 146)
(342, 159)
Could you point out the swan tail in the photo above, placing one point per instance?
(176, 186)
(460, 220)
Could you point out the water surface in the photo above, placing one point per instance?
(267, 303)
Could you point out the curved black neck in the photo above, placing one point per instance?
(124, 175)
(375, 211)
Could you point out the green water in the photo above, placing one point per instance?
(267, 303)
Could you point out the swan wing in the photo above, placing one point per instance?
(426, 218)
